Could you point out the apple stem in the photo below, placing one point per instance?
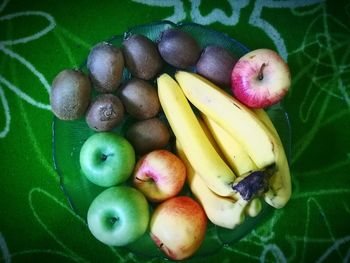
(261, 75)
(139, 179)
(104, 157)
(113, 220)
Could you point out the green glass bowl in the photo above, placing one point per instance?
(68, 137)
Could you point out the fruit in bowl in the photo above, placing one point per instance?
(118, 216)
(105, 63)
(148, 135)
(178, 227)
(140, 99)
(105, 112)
(159, 175)
(70, 94)
(216, 64)
(107, 159)
(260, 78)
(149, 132)
(178, 48)
(142, 58)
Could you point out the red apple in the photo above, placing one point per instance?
(260, 78)
(159, 175)
(178, 227)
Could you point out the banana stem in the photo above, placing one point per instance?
(254, 184)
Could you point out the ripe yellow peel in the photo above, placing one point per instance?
(280, 183)
(197, 147)
(222, 211)
(254, 207)
(211, 138)
(231, 115)
(234, 153)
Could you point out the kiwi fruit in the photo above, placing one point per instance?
(105, 112)
(70, 94)
(216, 64)
(105, 64)
(140, 99)
(148, 135)
(141, 55)
(178, 48)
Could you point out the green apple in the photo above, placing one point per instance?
(107, 159)
(118, 216)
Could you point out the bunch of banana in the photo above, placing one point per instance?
(226, 175)
(252, 129)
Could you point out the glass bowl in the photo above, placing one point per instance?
(68, 137)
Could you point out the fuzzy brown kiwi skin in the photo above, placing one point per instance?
(140, 99)
(70, 94)
(105, 112)
(178, 48)
(148, 135)
(141, 56)
(216, 64)
(105, 64)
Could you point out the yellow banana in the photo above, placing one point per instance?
(236, 156)
(198, 149)
(211, 138)
(280, 187)
(222, 211)
(231, 115)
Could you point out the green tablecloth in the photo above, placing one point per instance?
(40, 38)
